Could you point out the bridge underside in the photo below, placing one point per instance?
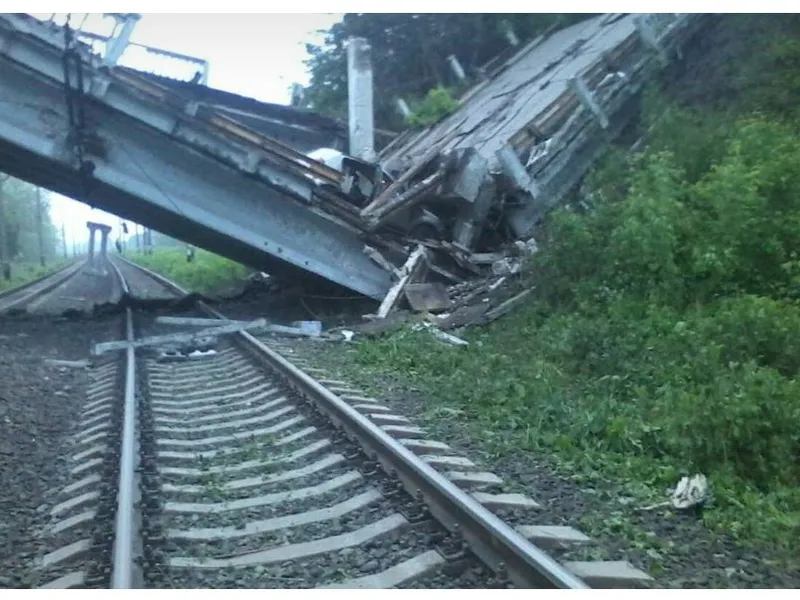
(228, 176)
(166, 164)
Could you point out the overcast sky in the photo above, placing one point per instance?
(256, 55)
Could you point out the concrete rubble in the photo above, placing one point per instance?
(452, 215)
(439, 222)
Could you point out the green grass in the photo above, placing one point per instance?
(22, 273)
(208, 273)
(664, 336)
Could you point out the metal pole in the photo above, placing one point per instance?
(64, 240)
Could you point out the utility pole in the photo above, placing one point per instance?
(5, 266)
(64, 240)
(138, 237)
(40, 225)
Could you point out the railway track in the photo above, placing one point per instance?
(23, 296)
(222, 464)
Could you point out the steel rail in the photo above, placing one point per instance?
(122, 574)
(59, 277)
(15, 290)
(491, 539)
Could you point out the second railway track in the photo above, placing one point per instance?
(234, 468)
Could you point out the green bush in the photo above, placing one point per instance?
(437, 104)
(665, 335)
(207, 273)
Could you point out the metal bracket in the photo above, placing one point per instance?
(578, 86)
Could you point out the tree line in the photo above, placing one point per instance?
(410, 56)
(27, 232)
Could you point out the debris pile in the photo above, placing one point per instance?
(488, 290)
(452, 211)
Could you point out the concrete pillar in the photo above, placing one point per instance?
(403, 107)
(104, 231)
(511, 36)
(359, 99)
(458, 70)
(92, 230)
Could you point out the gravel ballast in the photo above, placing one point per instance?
(39, 408)
(675, 548)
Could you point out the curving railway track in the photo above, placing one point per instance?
(219, 463)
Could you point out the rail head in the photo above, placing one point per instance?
(125, 573)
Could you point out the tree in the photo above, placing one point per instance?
(409, 55)
(19, 224)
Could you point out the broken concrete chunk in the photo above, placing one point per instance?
(506, 266)
(195, 321)
(75, 364)
(428, 297)
(197, 338)
(312, 328)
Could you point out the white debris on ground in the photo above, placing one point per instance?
(690, 492)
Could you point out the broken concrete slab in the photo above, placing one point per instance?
(196, 321)
(299, 328)
(428, 297)
(311, 328)
(157, 340)
(73, 364)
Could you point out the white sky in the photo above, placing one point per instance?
(255, 55)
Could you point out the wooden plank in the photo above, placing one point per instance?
(407, 199)
(426, 158)
(410, 270)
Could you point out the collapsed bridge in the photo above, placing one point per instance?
(233, 175)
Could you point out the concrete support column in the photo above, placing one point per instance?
(92, 230)
(104, 231)
(359, 99)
